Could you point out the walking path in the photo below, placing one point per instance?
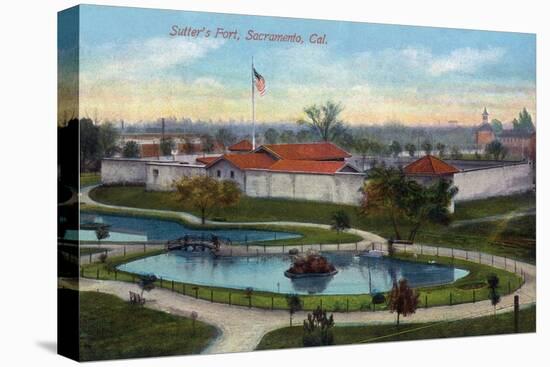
(492, 218)
(242, 328)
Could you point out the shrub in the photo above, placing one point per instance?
(318, 329)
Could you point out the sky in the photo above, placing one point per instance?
(131, 68)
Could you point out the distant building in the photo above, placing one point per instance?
(484, 133)
(519, 143)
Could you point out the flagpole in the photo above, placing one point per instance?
(253, 108)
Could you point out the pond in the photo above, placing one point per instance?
(138, 229)
(356, 275)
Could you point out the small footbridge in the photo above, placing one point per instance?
(203, 243)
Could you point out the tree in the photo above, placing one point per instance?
(430, 204)
(496, 150)
(427, 147)
(147, 283)
(271, 136)
(383, 191)
(411, 149)
(89, 145)
(207, 143)
(225, 137)
(456, 153)
(206, 193)
(494, 296)
(340, 221)
(497, 126)
(441, 149)
(402, 299)
(130, 149)
(324, 120)
(395, 148)
(524, 122)
(318, 329)
(166, 146)
(288, 136)
(362, 146)
(107, 139)
(294, 305)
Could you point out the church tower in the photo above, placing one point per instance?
(485, 116)
(484, 133)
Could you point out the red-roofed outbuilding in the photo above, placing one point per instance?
(430, 166)
(323, 151)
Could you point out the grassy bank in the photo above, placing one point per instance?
(491, 237)
(291, 337)
(471, 288)
(309, 235)
(111, 328)
(90, 178)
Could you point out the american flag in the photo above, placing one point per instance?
(260, 82)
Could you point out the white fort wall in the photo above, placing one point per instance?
(161, 176)
(123, 171)
(339, 188)
(493, 181)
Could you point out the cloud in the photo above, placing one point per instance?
(138, 59)
(465, 60)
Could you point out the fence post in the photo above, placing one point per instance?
(124, 250)
(161, 282)
(421, 249)
(97, 274)
(437, 253)
(479, 257)
(516, 313)
(505, 263)
(172, 285)
(211, 295)
(355, 246)
(116, 273)
(264, 249)
(90, 258)
(347, 304)
(450, 298)
(452, 253)
(426, 301)
(183, 288)
(229, 298)
(82, 272)
(515, 266)
(473, 296)
(144, 247)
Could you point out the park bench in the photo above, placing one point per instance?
(136, 298)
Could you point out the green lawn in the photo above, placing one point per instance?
(466, 290)
(490, 237)
(111, 328)
(90, 178)
(488, 325)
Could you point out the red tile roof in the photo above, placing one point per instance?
(322, 167)
(242, 146)
(247, 160)
(308, 151)
(207, 160)
(430, 165)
